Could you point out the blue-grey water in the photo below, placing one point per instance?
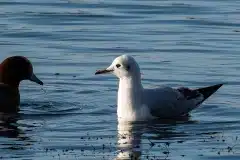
(73, 116)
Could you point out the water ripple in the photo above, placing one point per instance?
(73, 116)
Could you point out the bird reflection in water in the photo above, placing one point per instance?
(129, 140)
(8, 126)
(130, 136)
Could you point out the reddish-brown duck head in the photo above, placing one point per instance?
(15, 69)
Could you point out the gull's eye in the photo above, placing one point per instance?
(118, 65)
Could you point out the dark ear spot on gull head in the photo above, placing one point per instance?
(15, 69)
(128, 67)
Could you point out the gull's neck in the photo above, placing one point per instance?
(129, 97)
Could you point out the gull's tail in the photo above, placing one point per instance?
(208, 91)
(204, 92)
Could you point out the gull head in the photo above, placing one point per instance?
(123, 66)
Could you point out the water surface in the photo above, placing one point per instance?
(177, 43)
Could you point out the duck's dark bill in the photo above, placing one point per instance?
(103, 71)
(35, 79)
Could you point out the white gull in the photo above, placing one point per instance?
(136, 103)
